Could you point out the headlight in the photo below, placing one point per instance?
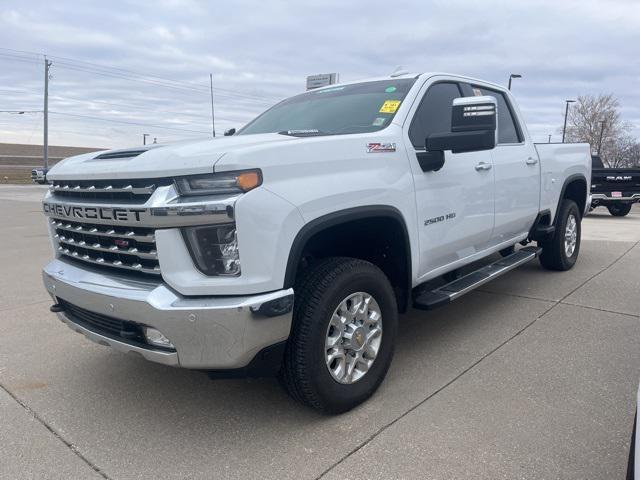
(219, 183)
(214, 249)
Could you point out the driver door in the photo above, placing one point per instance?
(455, 205)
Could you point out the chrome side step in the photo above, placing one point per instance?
(442, 295)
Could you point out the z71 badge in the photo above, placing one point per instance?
(381, 147)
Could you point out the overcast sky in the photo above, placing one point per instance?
(260, 52)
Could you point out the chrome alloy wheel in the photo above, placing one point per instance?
(353, 338)
(570, 235)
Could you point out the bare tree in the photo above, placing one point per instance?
(625, 152)
(596, 120)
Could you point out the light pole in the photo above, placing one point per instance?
(512, 76)
(213, 121)
(603, 123)
(566, 112)
(45, 129)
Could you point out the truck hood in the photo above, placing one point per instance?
(155, 161)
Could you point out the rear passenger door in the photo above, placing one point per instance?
(516, 171)
(455, 203)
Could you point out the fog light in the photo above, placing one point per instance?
(156, 337)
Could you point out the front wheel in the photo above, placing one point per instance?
(561, 251)
(619, 210)
(344, 327)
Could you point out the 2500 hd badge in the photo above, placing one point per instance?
(93, 213)
(441, 218)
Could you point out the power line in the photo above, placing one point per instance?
(20, 51)
(127, 105)
(64, 63)
(126, 122)
(231, 95)
(124, 77)
(20, 111)
(234, 96)
(19, 59)
(121, 104)
(139, 107)
(182, 84)
(100, 69)
(19, 90)
(116, 72)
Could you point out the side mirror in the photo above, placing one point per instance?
(473, 127)
(229, 132)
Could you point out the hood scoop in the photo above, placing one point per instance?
(118, 154)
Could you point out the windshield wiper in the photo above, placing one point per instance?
(310, 132)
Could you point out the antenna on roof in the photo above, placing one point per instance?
(400, 70)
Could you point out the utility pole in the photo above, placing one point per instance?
(602, 123)
(566, 112)
(45, 148)
(213, 122)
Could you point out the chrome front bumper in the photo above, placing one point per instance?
(208, 332)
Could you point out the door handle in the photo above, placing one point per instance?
(531, 161)
(483, 166)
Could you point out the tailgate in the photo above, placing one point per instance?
(623, 180)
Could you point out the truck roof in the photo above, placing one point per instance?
(414, 75)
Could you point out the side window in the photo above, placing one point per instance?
(434, 112)
(507, 130)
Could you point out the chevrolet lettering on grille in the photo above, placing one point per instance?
(93, 213)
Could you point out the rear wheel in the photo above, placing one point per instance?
(619, 210)
(344, 327)
(561, 251)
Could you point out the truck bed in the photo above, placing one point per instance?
(560, 161)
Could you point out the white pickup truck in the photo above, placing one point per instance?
(292, 245)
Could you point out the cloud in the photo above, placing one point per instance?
(260, 52)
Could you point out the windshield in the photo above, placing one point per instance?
(357, 108)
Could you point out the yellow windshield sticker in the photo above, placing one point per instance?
(390, 106)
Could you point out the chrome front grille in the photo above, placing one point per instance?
(125, 248)
(129, 191)
(112, 224)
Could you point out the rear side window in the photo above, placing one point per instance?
(507, 130)
(434, 113)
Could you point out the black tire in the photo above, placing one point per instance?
(619, 210)
(554, 256)
(322, 288)
(505, 252)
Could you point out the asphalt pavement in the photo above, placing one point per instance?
(534, 376)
